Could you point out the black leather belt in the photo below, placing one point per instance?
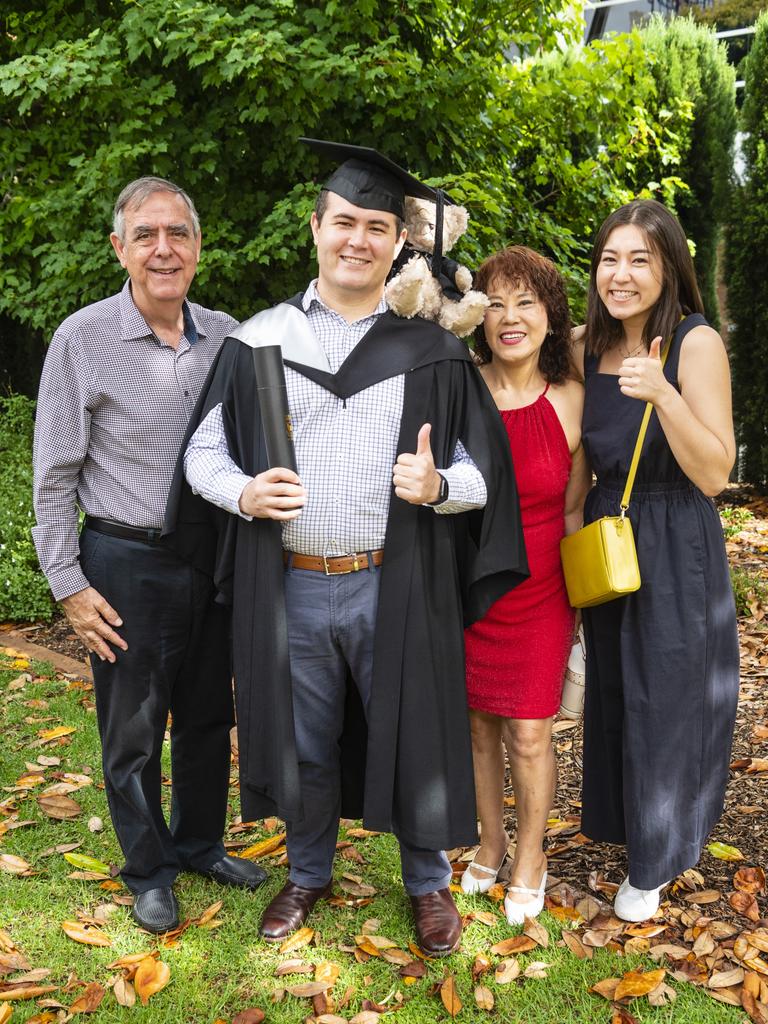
(122, 530)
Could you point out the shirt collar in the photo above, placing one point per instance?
(133, 325)
(311, 296)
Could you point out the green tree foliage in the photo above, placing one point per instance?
(747, 244)
(687, 61)
(24, 592)
(214, 95)
(729, 14)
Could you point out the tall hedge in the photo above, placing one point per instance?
(747, 246)
(687, 62)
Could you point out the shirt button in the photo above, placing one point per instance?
(186, 394)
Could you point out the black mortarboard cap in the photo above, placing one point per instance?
(371, 180)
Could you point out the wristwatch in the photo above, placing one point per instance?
(443, 495)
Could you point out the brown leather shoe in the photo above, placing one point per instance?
(438, 922)
(289, 910)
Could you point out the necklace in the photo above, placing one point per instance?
(635, 351)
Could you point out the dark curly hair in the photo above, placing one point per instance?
(518, 266)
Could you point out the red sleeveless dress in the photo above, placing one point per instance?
(516, 654)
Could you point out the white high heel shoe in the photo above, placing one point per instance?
(517, 912)
(471, 884)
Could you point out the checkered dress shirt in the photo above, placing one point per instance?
(113, 407)
(345, 451)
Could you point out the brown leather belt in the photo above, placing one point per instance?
(333, 565)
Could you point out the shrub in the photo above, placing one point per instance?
(24, 592)
(746, 243)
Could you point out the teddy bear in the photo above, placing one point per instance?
(413, 289)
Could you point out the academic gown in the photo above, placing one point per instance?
(410, 770)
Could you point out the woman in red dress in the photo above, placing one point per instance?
(516, 655)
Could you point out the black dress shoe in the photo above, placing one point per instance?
(289, 910)
(438, 922)
(236, 871)
(156, 910)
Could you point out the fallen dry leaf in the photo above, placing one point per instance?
(745, 904)
(662, 995)
(450, 996)
(90, 1000)
(536, 931)
(576, 946)
(537, 969)
(638, 983)
(130, 960)
(49, 735)
(480, 965)
(606, 988)
(517, 944)
(414, 969)
(327, 972)
(752, 1008)
(300, 938)
(484, 998)
(293, 966)
(251, 1016)
(151, 977)
(14, 865)
(724, 979)
(59, 807)
(264, 847)
(125, 993)
(209, 913)
(703, 897)
(307, 989)
(506, 971)
(85, 934)
(24, 991)
(751, 880)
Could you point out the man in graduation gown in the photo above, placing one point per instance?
(351, 580)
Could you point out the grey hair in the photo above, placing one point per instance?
(136, 192)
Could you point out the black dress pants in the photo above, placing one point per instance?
(178, 660)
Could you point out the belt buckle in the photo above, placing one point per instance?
(342, 572)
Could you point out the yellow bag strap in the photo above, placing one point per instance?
(639, 443)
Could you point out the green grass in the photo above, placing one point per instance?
(216, 973)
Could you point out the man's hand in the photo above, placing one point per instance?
(276, 494)
(92, 618)
(415, 478)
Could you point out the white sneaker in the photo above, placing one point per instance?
(517, 912)
(633, 904)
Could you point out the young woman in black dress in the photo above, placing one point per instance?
(662, 663)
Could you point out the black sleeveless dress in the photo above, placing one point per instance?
(662, 663)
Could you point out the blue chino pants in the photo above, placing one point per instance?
(331, 624)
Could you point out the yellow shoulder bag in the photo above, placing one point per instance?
(600, 560)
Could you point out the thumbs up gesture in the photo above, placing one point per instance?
(415, 478)
(642, 377)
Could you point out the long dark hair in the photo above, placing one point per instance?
(519, 266)
(679, 289)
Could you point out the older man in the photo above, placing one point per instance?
(348, 579)
(119, 384)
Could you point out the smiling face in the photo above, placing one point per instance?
(629, 275)
(160, 252)
(355, 250)
(515, 323)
